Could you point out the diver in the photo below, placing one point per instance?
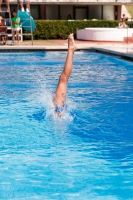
(60, 93)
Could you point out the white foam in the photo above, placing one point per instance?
(43, 97)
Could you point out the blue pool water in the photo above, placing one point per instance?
(87, 154)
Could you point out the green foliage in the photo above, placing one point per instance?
(60, 29)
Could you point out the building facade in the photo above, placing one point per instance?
(78, 9)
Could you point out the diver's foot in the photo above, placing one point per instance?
(71, 43)
(27, 10)
(22, 9)
(8, 10)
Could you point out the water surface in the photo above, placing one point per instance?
(87, 154)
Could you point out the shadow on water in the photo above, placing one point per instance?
(39, 116)
(109, 134)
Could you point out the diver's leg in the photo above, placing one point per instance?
(60, 94)
(69, 60)
(27, 3)
(21, 5)
(8, 7)
(0, 5)
(27, 6)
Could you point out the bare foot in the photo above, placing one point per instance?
(71, 43)
(0, 10)
(8, 10)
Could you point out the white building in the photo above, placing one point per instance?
(78, 9)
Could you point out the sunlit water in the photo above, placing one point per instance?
(88, 153)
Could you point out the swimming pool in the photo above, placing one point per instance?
(88, 154)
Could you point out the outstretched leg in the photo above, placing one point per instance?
(60, 94)
(8, 7)
(27, 5)
(0, 5)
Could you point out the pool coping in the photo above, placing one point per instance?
(125, 56)
(106, 51)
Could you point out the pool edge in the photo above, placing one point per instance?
(106, 51)
(125, 56)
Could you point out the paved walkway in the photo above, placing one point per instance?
(62, 45)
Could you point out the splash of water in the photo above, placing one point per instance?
(44, 98)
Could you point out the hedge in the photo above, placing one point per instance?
(60, 29)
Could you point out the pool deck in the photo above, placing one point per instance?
(122, 49)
